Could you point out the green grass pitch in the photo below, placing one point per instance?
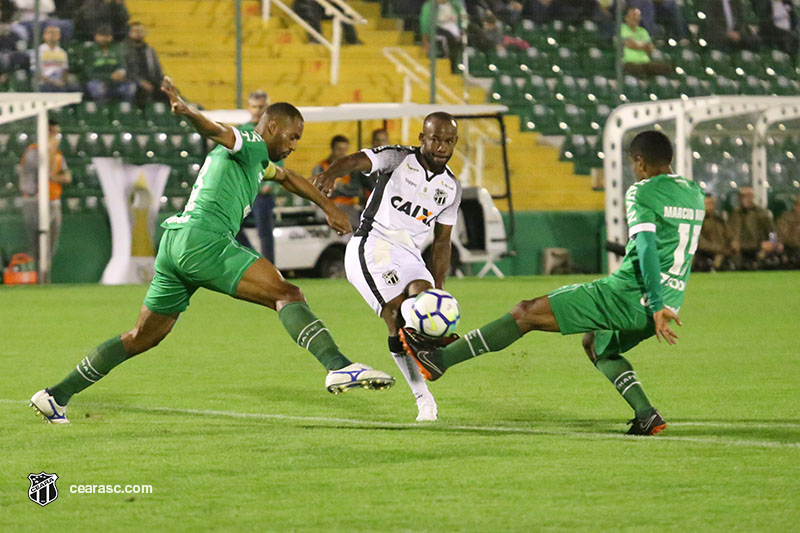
(229, 421)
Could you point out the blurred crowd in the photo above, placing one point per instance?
(86, 45)
(748, 238)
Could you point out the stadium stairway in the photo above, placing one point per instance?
(197, 48)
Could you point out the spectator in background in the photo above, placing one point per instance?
(142, 66)
(26, 14)
(713, 249)
(94, 14)
(450, 24)
(29, 187)
(538, 11)
(380, 137)
(264, 203)
(54, 64)
(754, 240)
(12, 44)
(313, 13)
(507, 11)
(663, 13)
(789, 234)
(725, 28)
(572, 11)
(349, 189)
(777, 24)
(104, 68)
(639, 47)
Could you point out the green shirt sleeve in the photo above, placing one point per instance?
(641, 217)
(249, 149)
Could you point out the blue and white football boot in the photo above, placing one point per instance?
(357, 375)
(44, 404)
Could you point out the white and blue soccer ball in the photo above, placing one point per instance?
(435, 313)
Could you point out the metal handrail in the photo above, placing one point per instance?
(414, 73)
(345, 14)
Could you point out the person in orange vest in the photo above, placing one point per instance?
(350, 189)
(29, 187)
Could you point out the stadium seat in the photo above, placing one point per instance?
(505, 90)
(633, 90)
(125, 115)
(568, 90)
(542, 120)
(535, 61)
(159, 117)
(503, 61)
(599, 90)
(778, 63)
(193, 145)
(19, 81)
(565, 61)
(159, 148)
(478, 64)
(91, 144)
(663, 88)
(17, 144)
(95, 117)
(719, 63)
(598, 61)
(536, 89)
(752, 85)
(689, 63)
(572, 119)
(749, 64)
(127, 147)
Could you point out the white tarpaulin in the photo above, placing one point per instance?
(132, 196)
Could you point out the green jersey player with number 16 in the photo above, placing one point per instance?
(198, 249)
(665, 213)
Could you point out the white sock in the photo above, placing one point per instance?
(415, 380)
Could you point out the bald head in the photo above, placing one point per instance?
(438, 140)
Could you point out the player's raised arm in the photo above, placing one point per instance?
(297, 184)
(357, 162)
(217, 132)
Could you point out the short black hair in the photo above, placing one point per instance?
(652, 146)
(339, 139)
(103, 29)
(378, 131)
(52, 122)
(284, 109)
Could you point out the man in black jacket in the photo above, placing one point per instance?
(777, 24)
(725, 28)
(142, 65)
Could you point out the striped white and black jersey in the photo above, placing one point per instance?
(407, 199)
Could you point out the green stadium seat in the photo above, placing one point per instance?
(535, 62)
(529, 31)
(542, 120)
(503, 61)
(718, 63)
(504, 90)
(724, 86)
(752, 85)
(478, 64)
(688, 62)
(91, 144)
(565, 61)
(598, 61)
(777, 63)
(599, 90)
(536, 89)
(663, 88)
(16, 145)
(578, 150)
(19, 81)
(159, 117)
(127, 116)
(633, 90)
(192, 146)
(572, 119)
(568, 90)
(749, 64)
(126, 146)
(94, 116)
(693, 87)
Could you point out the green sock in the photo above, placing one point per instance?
(310, 333)
(492, 337)
(91, 368)
(620, 372)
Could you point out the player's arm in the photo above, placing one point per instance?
(297, 184)
(357, 162)
(647, 250)
(441, 253)
(219, 133)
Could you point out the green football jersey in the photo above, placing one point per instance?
(226, 185)
(672, 207)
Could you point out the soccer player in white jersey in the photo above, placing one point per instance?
(416, 193)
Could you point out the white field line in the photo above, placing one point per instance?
(496, 429)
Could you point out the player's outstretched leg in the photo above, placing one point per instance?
(647, 419)
(526, 316)
(263, 284)
(150, 329)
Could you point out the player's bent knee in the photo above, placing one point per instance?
(291, 293)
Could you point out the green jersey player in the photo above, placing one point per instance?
(198, 250)
(665, 213)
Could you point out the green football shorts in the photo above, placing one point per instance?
(619, 319)
(189, 258)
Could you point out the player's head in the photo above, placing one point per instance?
(651, 154)
(438, 140)
(281, 126)
(257, 102)
(340, 145)
(711, 204)
(380, 137)
(747, 197)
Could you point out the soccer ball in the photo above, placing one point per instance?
(435, 313)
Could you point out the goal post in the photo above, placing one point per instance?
(19, 106)
(751, 117)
